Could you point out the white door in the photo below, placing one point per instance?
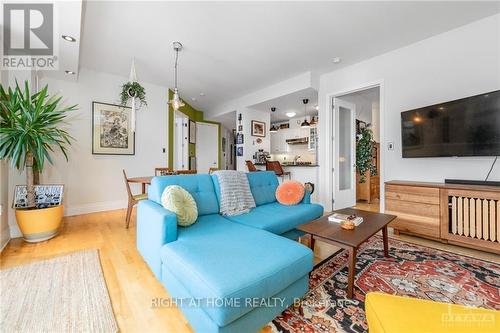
(207, 146)
(181, 146)
(345, 154)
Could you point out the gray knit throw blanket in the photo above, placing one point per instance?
(235, 195)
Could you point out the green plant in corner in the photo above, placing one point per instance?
(364, 153)
(133, 89)
(30, 130)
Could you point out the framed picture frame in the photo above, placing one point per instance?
(239, 151)
(45, 196)
(112, 130)
(240, 139)
(192, 131)
(258, 128)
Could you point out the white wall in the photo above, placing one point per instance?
(455, 64)
(250, 145)
(95, 182)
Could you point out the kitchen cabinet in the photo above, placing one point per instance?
(278, 142)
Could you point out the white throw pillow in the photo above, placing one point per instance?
(181, 202)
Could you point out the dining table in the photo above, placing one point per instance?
(141, 180)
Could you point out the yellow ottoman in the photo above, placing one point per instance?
(395, 314)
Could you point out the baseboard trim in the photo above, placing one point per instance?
(94, 207)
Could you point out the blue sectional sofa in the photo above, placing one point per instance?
(227, 274)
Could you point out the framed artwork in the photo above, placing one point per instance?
(192, 131)
(45, 196)
(240, 128)
(258, 128)
(239, 139)
(223, 144)
(112, 130)
(239, 151)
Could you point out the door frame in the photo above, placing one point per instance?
(219, 141)
(185, 157)
(330, 133)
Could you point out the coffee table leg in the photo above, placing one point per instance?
(311, 242)
(386, 241)
(352, 271)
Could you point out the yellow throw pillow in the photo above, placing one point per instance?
(181, 202)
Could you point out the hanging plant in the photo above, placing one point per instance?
(364, 154)
(133, 89)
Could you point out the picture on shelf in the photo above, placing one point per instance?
(111, 130)
(258, 128)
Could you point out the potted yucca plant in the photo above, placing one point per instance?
(30, 133)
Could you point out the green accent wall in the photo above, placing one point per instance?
(194, 115)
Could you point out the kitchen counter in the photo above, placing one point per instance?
(301, 173)
(291, 165)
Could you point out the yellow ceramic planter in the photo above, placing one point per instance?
(39, 224)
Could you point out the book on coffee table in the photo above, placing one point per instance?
(338, 218)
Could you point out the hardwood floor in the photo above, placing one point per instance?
(132, 286)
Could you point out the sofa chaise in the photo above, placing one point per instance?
(227, 274)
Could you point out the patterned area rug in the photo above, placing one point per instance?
(63, 294)
(411, 270)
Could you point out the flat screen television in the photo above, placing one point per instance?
(464, 127)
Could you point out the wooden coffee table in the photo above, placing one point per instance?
(331, 232)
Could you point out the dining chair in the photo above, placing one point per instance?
(133, 199)
(276, 167)
(164, 172)
(185, 172)
(211, 170)
(251, 167)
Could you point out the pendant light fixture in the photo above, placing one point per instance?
(305, 123)
(176, 101)
(273, 128)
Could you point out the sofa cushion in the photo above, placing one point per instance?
(181, 202)
(263, 185)
(290, 193)
(199, 186)
(278, 218)
(216, 259)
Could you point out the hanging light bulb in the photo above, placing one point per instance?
(305, 123)
(176, 102)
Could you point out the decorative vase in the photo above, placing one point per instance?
(38, 225)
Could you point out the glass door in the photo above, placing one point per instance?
(345, 154)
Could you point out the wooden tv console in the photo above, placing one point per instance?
(466, 215)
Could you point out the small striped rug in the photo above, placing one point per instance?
(63, 294)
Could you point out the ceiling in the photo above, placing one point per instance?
(233, 48)
(290, 103)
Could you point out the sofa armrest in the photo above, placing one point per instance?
(307, 197)
(156, 226)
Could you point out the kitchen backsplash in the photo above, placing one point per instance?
(305, 154)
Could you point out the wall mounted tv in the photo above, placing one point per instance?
(464, 127)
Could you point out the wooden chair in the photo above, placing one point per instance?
(276, 167)
(251, 167)
(164, 172)
(211, 170)
(132, 199)
(185, 172)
